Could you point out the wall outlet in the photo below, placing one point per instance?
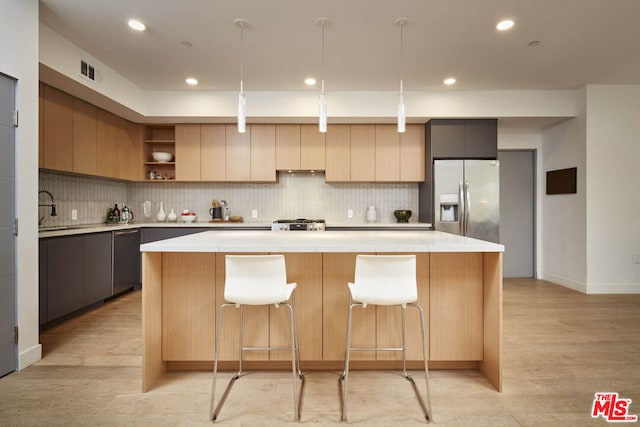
(636, 258)
(254, 213)
(350, 213)
(74, 214)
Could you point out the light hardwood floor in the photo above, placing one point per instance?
(560, 347)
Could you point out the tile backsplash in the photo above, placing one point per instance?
(299, 195)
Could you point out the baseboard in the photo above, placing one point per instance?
(566, 282)
(614, 288)
(29, 357)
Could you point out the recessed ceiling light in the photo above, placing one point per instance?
(450, 81)
(505, 25)
(186, 43)
(191, 81)
(136, 25)
(534, 43)
(310, 81)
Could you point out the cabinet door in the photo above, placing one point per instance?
(312, 148)
(65, 276)
(287, 147)
(137, 159)
(481, 139)
(338, 151)
(84, 137)
(363, 153)
(447, 139)
(58, 130)
(456, 306)
(412, 154)
(42, 280)
(106, 144)
(263, 153)
(123, 148)
(212, 149)
(387, 162)
(188, 152)
(97, 267)
(238, 154)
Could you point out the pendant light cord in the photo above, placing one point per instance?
(401, 56)
(323, 22)
(241, 24)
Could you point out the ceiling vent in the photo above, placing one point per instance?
(90, 72)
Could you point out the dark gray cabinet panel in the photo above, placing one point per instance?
(481, 139)
(42, 280)
(463, 139)
(64, 275)
(97, 267)
(126, 260)
(447, 139)
(155, 234)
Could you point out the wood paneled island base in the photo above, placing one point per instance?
(460, 288)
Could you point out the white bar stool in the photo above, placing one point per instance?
(257, 280)
(385, 280)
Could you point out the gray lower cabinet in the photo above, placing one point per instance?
(161, 233)
(97, 267)
(75, 271)
(64, 275)
(126, 260)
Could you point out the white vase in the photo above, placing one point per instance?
(161, 213)
(172, 216)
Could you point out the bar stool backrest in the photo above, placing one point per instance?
(256, 279)
(385, 279)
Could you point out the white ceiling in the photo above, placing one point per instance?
(581, 41)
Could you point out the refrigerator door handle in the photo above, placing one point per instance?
(467, 210)
(462, 208)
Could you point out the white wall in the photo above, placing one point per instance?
(613, 199)
(19, 59)
(564, 216)
(529, 139)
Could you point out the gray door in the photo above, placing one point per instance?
(7, 237)
(517, 211)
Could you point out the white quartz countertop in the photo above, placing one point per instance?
(328, 241)
(97, 228)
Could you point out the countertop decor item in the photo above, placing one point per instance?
(172, 216)
(402, 215)
(188, 216)
(161, 156)
(162, 215)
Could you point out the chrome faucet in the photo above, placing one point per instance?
(52, 204)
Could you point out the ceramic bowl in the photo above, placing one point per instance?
(160, 156)
(402, 215)
(188, 218)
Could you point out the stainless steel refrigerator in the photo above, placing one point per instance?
(466, 198)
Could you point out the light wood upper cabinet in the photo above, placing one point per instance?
(287, 147)
(106, 144)
(212, 153)
(387, 153)
(263, 153)
(124, 149)
(338, 153)
(363, 153)
(188, 152)
(412, 154)
(84, 137)
(237, 153)
(58, 130)
(136, 137)
(312, 148)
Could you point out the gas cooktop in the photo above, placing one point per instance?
(300, 224)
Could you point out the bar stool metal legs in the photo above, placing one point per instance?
(344, 378)
(295, 362)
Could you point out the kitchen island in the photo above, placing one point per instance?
(459, 286)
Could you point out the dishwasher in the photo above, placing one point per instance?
(126, 260)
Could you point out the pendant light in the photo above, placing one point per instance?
(322, 102)
(242, 105)
(401, 114)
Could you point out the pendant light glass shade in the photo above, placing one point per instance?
(242, 103)
(322, 101)
(401, 113)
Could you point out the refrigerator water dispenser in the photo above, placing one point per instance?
(449, 207)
